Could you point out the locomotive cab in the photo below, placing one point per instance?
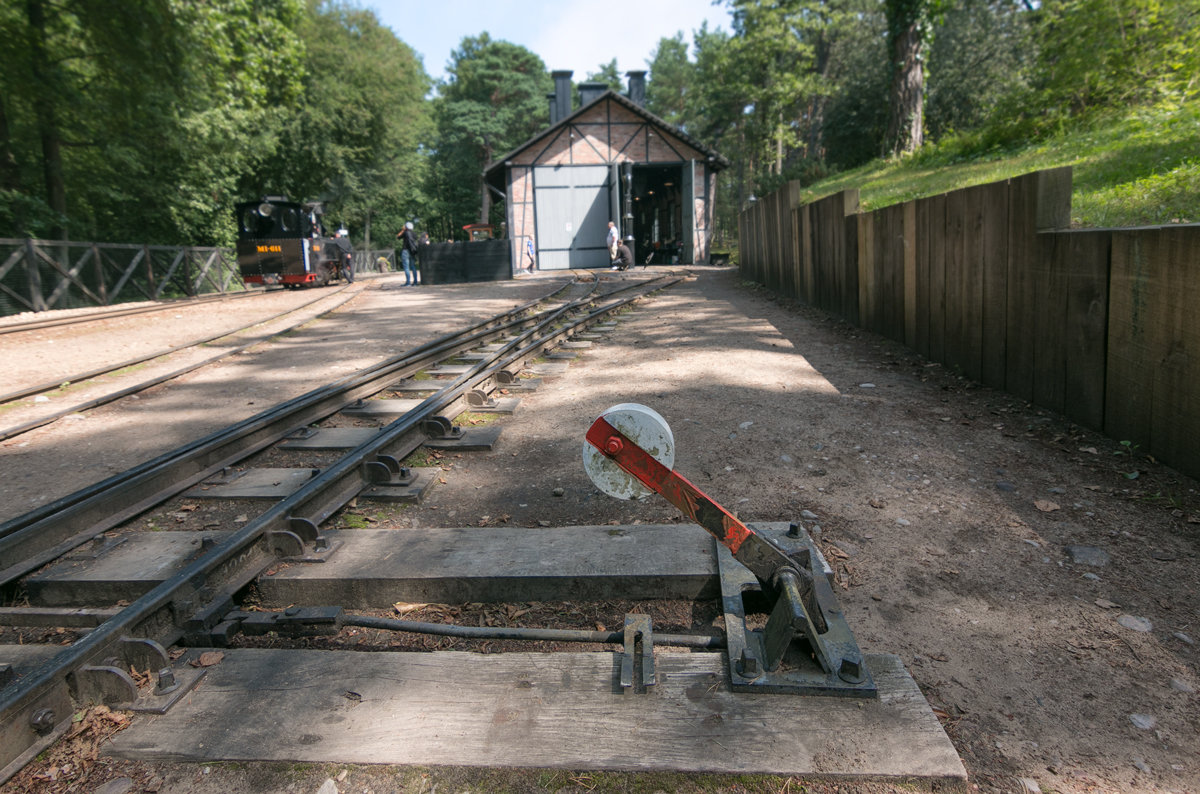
(281, 242)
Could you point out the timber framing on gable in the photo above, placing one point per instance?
(610, 130)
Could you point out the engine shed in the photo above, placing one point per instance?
(610, 159)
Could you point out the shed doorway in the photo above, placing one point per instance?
(663, 222)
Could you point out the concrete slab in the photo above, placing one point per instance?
(550, 368)
(499, 405)
(522, 384)
(410, 493)
(24, 659)
(254, 484)
(473, 439)
(369, 408)
(125, 572)
(331, 438)
(375, 568)
(563, 710)
(378, 567)
(417, 386)
(444, 370)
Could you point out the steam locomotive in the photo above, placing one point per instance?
(283, 242)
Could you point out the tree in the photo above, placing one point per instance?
(131, 121)
(608, 75)
(978, 59)
(353, 141)
(906, 26)
(494, 99)
(856, 115)
(669, 85)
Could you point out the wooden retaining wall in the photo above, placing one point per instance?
(1100, 325)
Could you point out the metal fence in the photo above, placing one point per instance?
(39, 275)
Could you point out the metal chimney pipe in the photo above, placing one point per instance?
(637, 87)
(562, 92)
(553, 99)
(589, 92)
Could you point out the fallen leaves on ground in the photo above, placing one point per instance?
(70, 764)
(207, 659)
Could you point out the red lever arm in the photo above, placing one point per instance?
(693, 502)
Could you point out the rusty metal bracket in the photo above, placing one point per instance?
(782, 657)
(440, 427)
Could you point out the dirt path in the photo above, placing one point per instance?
(1038, 580)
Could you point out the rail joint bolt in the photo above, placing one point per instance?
(42, 721)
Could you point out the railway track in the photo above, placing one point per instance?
(108, 314)
(104, 399)
(190, 602)
(29, 391)
(210, 588)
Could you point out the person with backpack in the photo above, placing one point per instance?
(408, 253)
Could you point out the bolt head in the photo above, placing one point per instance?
(613, 445)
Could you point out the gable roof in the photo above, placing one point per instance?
(715, 159)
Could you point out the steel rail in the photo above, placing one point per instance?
(104, 399)
(195, 597)
(160, 306)
(30, 540)
(82, 376)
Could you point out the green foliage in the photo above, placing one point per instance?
(608, 75)
(153, 117)
(857, 115)
(354, 141)
(669, 84)
(1114, 52)
(977, 59)
(1135, 169)
(494, 100)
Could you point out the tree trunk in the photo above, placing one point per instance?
(816, 106)
(10, 176)
(52, 166)
(907, 96)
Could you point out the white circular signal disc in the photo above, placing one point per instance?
(644, 427)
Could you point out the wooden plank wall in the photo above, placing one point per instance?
(1099, 325)
(1153, 388)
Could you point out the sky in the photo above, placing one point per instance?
(567, 34)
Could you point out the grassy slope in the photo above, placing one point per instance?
(1142, 169)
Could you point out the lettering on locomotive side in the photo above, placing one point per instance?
(270, 249)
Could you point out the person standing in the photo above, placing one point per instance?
(345, 254)
(408, 252)
(614, 239)
(529, 253)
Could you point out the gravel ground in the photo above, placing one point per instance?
(1037, 579)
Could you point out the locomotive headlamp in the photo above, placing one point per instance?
(265, 209)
